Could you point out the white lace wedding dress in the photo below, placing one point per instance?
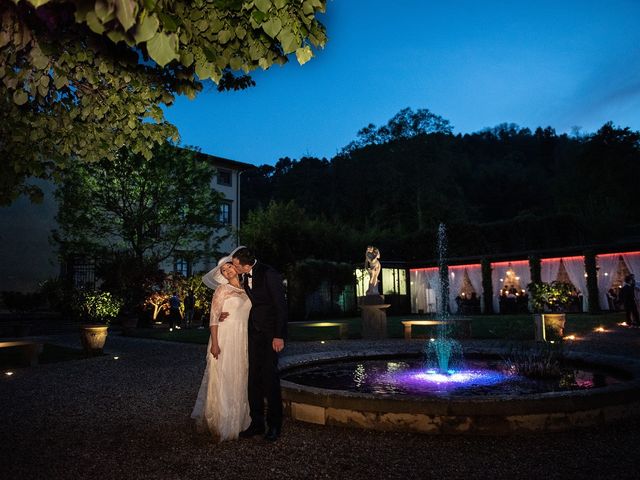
(222, 406)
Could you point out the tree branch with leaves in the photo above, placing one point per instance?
(80, 79)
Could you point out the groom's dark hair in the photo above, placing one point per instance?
(245, 256)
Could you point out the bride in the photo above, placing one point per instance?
(222, 406)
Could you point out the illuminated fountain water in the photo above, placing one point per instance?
(444, 364)
(443, 353)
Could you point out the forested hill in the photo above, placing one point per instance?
(505, 189)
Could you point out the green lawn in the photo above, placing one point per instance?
(507, 327)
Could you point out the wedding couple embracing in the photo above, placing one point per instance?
(248, 324)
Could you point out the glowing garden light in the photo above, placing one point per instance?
(8, 374)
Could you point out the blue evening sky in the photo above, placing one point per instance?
(476, 63)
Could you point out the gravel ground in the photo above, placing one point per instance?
(129, 418)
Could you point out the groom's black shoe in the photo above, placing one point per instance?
(252, 431)
(272, 434)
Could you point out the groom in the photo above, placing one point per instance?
(267, 331)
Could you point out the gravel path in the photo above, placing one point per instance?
(129, 418)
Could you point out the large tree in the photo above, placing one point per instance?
(82, 78)
(146, 210)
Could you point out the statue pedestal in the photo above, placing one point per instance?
(374, 317)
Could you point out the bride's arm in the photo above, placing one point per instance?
(214, 317)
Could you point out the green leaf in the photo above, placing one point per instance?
(307, 8)
(94, 23)
(126, 13)
(262, 5)
(116, 36)
(20, 97)
(186, 58)
(289, 41)
(104, 10)
(209, 54)
(163, 48)
(240, 32)
(272, 27)
(258, 16)
(205, 70)
(236, 63)
(170, 23)
(224, 36)
(60, 81)
(147, 28)
(37, 3)
(39, 60)
(280, 4)
(304, 54)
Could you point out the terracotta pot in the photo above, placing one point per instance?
(93, 338)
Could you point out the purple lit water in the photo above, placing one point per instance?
(407, 376)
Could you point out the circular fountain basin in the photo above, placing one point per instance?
(414, 400)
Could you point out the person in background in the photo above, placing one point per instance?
(175, 318)
(628, 294)
(189, 308)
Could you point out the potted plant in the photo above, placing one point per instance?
(97, 310)
(549, 301)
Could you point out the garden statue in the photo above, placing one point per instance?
(374, 317)
(373, 267)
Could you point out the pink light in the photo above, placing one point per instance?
(617, 254)
(513, 262)
(557, 259)
(460, 267)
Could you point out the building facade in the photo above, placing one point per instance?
(28, 257)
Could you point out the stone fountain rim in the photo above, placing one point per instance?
(626, 392)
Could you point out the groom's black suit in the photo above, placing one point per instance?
(267, 320)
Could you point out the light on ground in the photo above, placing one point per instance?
(8, 374)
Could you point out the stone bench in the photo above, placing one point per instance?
(30, 350)
(343, 327)
(463, 323)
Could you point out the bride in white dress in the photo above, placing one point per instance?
(222, 406)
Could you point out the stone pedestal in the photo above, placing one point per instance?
(374, 317)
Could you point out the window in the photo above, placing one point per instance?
(224, 177)
(224, 214)
(394, 281)
(182, 267)
(82, 271)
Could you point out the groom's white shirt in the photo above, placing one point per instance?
(251, 274)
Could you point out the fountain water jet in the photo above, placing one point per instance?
(443, 353)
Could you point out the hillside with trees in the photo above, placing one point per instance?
(499, 190)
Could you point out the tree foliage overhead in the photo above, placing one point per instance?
(146, 210)
(83, 78)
